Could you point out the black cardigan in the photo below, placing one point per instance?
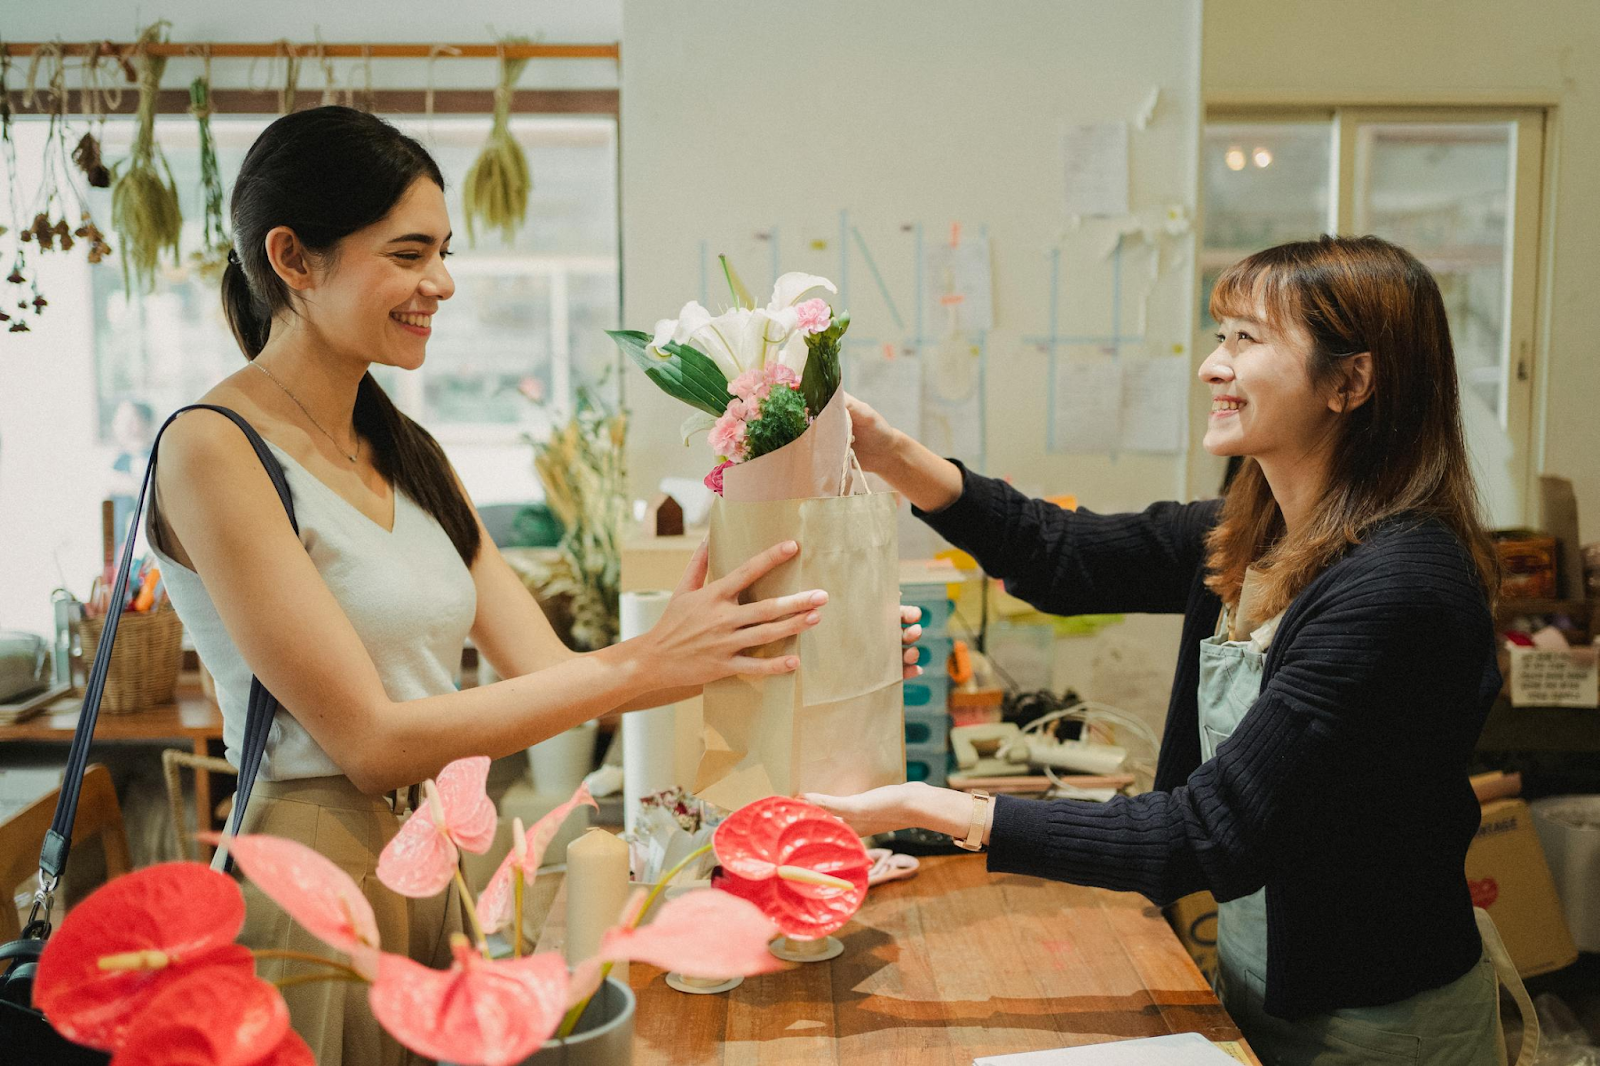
(1343, 791)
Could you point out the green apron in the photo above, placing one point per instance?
(1456, 1025)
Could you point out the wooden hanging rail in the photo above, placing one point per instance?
(230, 50)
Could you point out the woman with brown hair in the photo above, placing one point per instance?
(1336, 667)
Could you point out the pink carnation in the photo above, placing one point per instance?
(727, 436)
(714, 479)
(753, 386)
(814, 316)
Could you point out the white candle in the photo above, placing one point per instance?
(597, 890)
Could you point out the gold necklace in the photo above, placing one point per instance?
(308, 414)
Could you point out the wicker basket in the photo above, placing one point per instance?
(144, 661)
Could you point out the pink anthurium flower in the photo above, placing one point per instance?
(131, 939)
(314, 891)
(497, 902)
(226, 1018)
(804, 868)
(705, 933)
(478, 1011)
(457, 814)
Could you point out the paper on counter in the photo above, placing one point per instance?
(1097, 169)
(1177, 1049)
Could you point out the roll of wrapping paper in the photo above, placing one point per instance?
(649, 753)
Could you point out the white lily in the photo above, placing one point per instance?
(744, 339)
(677, 330)
(788, 289)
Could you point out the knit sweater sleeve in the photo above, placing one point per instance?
(1372, 624)
(1078, 562)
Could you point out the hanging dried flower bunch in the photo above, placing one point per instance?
(497, 186)
(88, 155)
(20, 271)
(212, 257)
(87, 158)
(58, 196)
(144, 208)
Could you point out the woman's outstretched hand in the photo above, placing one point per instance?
(928, 481)
(914, 804)
(908, 636)
(872, 437)
(706, 634)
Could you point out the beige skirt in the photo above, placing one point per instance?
(330, 815)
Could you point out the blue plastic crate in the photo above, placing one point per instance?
(927, 728)
(935, 605)
(933, 655)
(930, 692)
(928, 764)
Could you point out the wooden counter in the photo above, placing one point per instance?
(939, 969)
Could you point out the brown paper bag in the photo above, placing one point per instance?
(836, 724)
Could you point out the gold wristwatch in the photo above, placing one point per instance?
(981, 801)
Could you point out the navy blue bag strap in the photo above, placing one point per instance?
(262, 708)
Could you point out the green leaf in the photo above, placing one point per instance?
(682, 372)
(782, 421)
(736, 286)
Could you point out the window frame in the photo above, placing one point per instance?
(1525, 314)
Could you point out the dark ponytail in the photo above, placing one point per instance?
(326, 173)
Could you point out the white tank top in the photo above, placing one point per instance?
(407, 593)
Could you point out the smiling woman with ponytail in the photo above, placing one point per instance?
(356, 623)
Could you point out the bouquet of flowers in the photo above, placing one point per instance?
(765, 383)
(757, 377)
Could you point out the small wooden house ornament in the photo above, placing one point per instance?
(664, 517)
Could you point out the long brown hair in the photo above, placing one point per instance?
(1401, 453)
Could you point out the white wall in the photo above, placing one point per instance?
(904, 113)
(1476, 52)
(740, 118)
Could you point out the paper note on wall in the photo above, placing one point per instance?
(1105, 405)
(1155, 408)
(1097, 169)
(890, 386)
(958, 289)
(1088, 406)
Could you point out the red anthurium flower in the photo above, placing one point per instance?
(804, 868)
(314, 891)
(131, 939)
(478, 1011)
(224, 1018)
(527, 851)
(458, 813)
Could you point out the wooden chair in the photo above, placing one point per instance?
(22, 835)
(172, 762)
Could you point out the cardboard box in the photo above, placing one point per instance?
(1527, 564)
(1194, 919)
(1509, 878)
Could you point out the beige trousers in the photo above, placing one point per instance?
(330, 815)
